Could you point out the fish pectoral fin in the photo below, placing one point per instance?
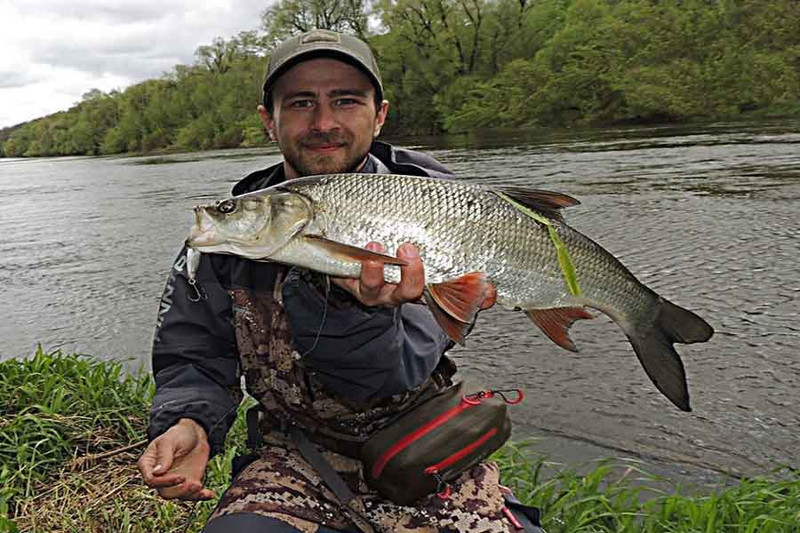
(547, 203)
(456, 302)
(453, 328)
(555, 323)
(461, 298)
(353, 252)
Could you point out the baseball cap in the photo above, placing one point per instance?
(321, 43)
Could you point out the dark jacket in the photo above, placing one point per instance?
(195, 358)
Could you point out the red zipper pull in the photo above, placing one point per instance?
(476, 397)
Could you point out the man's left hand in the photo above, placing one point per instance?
(372, 290)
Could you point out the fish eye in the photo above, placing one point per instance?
(226, 206)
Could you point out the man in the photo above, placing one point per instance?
(337, 360)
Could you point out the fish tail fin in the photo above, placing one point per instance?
(653, 345)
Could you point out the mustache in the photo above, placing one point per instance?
(317, 139)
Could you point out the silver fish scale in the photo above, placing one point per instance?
(461, 228)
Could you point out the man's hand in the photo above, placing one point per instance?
(371, 289)
(175, 462)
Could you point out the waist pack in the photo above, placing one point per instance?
(430, 445)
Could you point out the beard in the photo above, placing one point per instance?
(307, 163)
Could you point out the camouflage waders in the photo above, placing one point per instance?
(281, 484)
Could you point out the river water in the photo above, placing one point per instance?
(707, 216)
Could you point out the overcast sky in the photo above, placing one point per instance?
(53, 51)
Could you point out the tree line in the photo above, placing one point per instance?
(465, 65)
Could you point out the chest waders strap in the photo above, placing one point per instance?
(331, 478)
(308, 450)
(254, 441)
(254, 437)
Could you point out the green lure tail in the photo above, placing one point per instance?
(564, 260)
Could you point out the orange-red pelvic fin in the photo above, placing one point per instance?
(555, 323)
(354, 252)
(461, 298)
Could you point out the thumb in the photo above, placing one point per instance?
(164, 456)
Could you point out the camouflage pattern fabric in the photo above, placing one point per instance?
(281, 484)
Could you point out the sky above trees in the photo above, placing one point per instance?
(54, 51)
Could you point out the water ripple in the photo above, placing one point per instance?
(705, 215)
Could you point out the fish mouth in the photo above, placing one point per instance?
(203, 233)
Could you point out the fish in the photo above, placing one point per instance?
(469, 235)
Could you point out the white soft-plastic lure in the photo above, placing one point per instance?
(192, 264)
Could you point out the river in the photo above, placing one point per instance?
(708, 216)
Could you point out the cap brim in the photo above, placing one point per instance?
(313, 53)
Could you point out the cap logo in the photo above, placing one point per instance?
(320, 36)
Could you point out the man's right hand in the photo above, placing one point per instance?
(175, 462)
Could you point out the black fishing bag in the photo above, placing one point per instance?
(429, 446)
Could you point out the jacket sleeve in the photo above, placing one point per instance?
(195, 364)
(362, 353)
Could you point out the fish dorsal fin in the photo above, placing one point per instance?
(547, 203)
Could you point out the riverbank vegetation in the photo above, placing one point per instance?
(72, 428)
(466, 65)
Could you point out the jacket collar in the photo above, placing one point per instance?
(385, 158)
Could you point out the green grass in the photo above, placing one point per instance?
(72, 428)
(619, 496)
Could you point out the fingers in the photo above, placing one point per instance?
(151, 465)
(165, 481)
(164, 456)
(175, 462)
(371, 281)
(371, 289)
(169, 485)
(188, 490)
(203, 494)
(412, 276)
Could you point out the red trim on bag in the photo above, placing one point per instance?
(403, 443)
(460, 454)
(513, 519)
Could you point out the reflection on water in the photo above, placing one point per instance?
(706, 216)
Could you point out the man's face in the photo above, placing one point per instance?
(323, 118)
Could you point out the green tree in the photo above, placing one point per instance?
(291, 17)
(460, 65)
